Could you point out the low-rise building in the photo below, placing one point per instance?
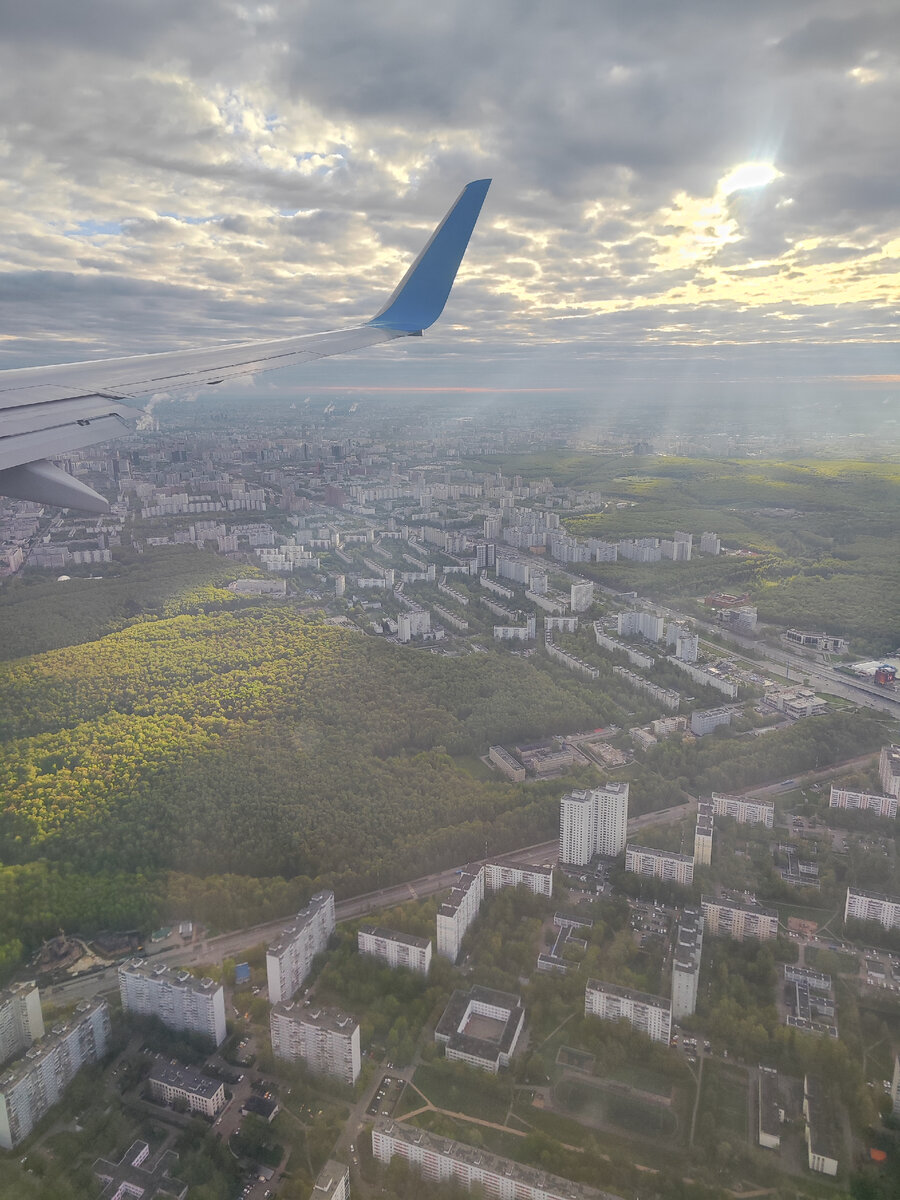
(872, 906)
(705, 720)
(325, 1039)
(481, 1027)
(31, 1087)
(663, 864)
(771, 1112)
(736, 919)
(824, 1139)
(458, 912)
(171, 1082)
(441, 1160)
(649, 1014)
(140, 1174)
(395, 948)
(504, 761)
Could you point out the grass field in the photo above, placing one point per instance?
(724, 1097)
(476, 1097)
(644, 1080)
(831, 962)
(595, 1102)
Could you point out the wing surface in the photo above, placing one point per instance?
(48, 411)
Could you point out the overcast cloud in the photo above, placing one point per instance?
(177, 173)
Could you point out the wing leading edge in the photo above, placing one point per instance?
(48, 411)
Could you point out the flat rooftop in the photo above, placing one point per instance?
(614, 989)
(310, 1014)
(304, 916)
(186, 1078)
(394, 935)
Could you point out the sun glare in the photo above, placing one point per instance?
(748, 175)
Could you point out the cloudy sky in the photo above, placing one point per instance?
(180, 173)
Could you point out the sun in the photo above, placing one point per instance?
(748, 175)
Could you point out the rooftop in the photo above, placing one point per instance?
(322, 1018)
(136, 1174)
(289, 934)
(15, 1073)
(748, 906)
(186, 1078)
(635, 848)
(614, 989)
(171, 976)
(394, 935)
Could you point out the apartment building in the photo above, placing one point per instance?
(176, 997)
(710, 543)
(324, 1038)
(872, 906)
(395, 948)
(31, 1087)
(333, 1182)
(824, 1136)
(21, 1022)
(170, 1082)
(499, 875)
(889, 770)
(648, 625)
(581, 596)
(703, 835)
(744, 811)
(441, 1160)
(686, 964)
(730, 918)
(593, 822)
(704, 721)
(458, 912)
(289, 959)
(664, 864)
(648, 1014)
(504, 761)
(882, 806)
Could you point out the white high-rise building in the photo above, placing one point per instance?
(326, 1040)
(289, 959)
(650, 1014)
(31, 1087)
(648, 625)
(333, 1182)
(499, 875)
(729, 918)
(176, 997)
(593, 822)
(21, 1022)
(686, 964)
(395, 948)
(581, 596)
(458, 912)
(889, 770)
(710, 543)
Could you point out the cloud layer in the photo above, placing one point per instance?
(176, 174)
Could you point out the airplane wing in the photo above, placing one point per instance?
(48, 411)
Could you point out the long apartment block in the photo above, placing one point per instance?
(440, 1160)
(537, 879)
(176, 997)
(647, 1013)
(289, 959)
(458, 912)
(882, 806)
(686, 964)
(31, 1087)
(731, 918)
(663, 864)
(744, 811)
(872, 906)
(395, 948)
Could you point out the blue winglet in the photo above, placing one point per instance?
(419, 299)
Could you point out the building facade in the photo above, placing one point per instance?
(289, 959)
(744, 811)
(458, 912)
(705, 720)
(440, 1160)
(21, 1022)
(31, 1087)
(882, 806)
(593, 822)
(872, 906)
(889, 770)
(333, 1182)
(325, 1039)
(648, 1014)
(703, 835)
(175, 997)
(729, 918)
(395, 948)
(663, 864)
(499, 875)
